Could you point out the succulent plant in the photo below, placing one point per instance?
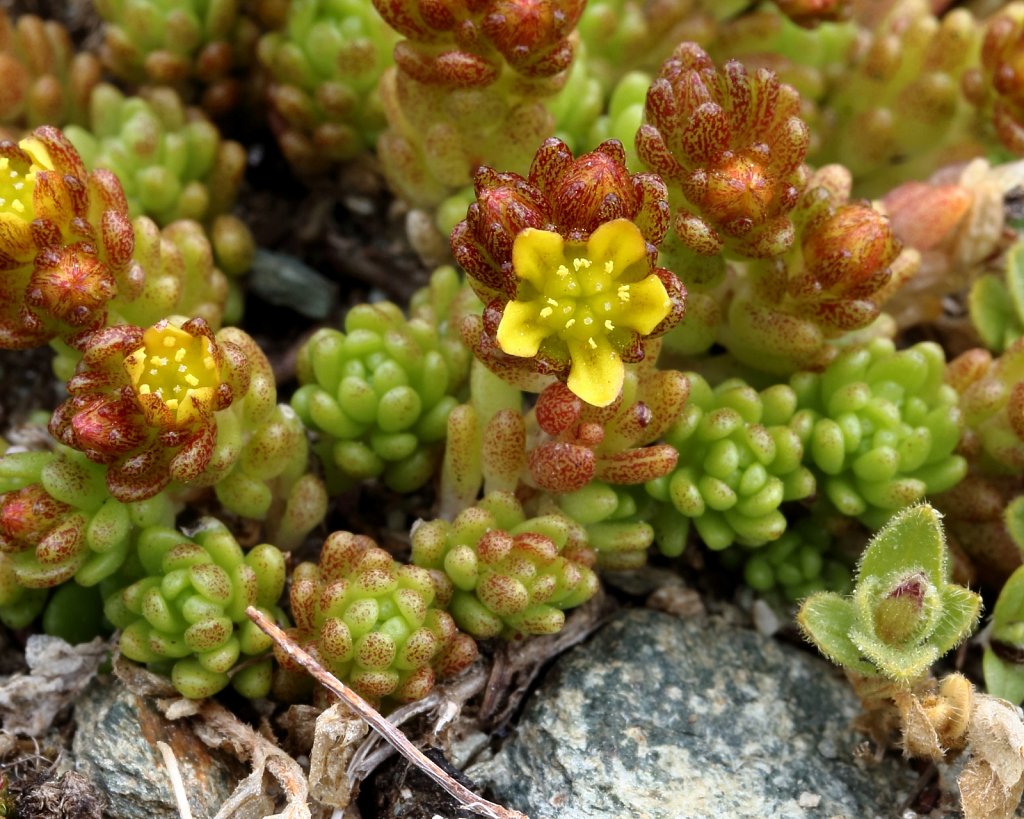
(809, 59)
(544, 254)
(740, 458)
(59, 522)
(997, 85)
(901, 98)
(616, 522)
(997, 304)
(880, 428)
(618, 444)
(619, 36)
(380, 393)
(834, 280)
(512, 576)
(731, 146)
(992, 401)
(66, 241)
(957, 221)
(177, 42)
(378, 625)
(467, 89)
(46, 81)
(903, 613)
(171, 160)
(145, 402)
(325, 66)
(186, 615)
(801, 562)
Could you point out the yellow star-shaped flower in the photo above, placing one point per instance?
(177, 367)
(593, 298)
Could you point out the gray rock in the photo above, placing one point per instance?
(115, 747)
(660, 718)
(284, 281)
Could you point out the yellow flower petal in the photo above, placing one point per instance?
(597, 371)
(648, 305)
(36, 149)
(536, 255)
(519, 331)
(618, 241)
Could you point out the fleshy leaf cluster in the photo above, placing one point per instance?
(900, 104)
(844, 265)
(378, 625)
(740, 458)
(997, 85)
(881, 428)
(46, 81)
(468, 89)
(380, 393)
(186, 615)
(731, 144)
(325, 66)
(170, 160)
(58, 521)
(512, 576)
(616, 522)
(179, 42)
(617, 444)
(991, 394)
(802, 561)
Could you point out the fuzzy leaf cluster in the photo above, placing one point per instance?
(903, 613)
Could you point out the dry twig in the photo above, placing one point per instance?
(177, 786)
(469, 800)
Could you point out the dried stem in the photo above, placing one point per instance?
(171, 763)
(469, 800)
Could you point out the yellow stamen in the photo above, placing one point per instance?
(545, 312)
(570, 323)
(609, 266)
(562, 271)
(608, 325)
(592, 343)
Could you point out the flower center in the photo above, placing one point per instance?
(179, 368)
(583, 300)
(16, 188)
(18, 179)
